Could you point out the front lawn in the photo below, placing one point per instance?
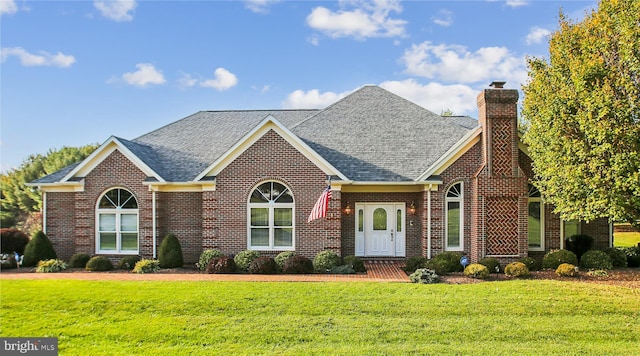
(626, 239)
(167, 318)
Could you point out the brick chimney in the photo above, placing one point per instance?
(498, 115)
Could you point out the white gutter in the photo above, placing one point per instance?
(429, 223)
(153, 221)
(44, 212)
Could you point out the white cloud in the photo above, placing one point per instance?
(454, 63)
(223, 80)
(517, 3)
(460, 99)
(8, 7)
(117, 10)
(311, 99)
(145, 75)
(259, 6)
(366, 19)
(537, 35)
(444, 18)
(41, 59)
(186, 81)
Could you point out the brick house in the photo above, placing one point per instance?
(404, 181)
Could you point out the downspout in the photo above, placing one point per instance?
(44, 212)
(610, 234)
(429, 223)
(561, 234)
(153, 221)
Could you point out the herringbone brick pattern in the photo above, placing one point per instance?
(502, 226)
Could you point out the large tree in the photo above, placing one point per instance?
(583, 107)
(18, 201)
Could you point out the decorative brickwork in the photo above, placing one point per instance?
(502, 226)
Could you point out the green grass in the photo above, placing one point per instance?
(181, 318)
(626, 239)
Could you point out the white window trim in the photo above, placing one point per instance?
(447, 200)
(118, 213)
(542, 224)
(271, 206)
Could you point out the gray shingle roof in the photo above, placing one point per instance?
(370, 135)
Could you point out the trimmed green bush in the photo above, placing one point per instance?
(99, 264)
(491, 263)
(206, 256)
(344, 269)
(356, 263)
(298, 265)
(79, 260)
(633, 256)
(221, 265)
(38, 249)
(445, 263)
(146, 266)
(13, 240)
(282, 258)
(476, 270)
(128, 262)
(516, 269)
(170, 252)
(596, 260)
(618, 257)
(424, 276)
(51, 266)
(325, 261)
(555, 258)
(414, 262)
(531, 263)
(262, 265)
(579, 244)
(566, 270)
(244, 259)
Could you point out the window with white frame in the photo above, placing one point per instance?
(117, 222)
(454, 218)
(536, 220)
(271, 225)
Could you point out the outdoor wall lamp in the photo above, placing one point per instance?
(412, 208)
(347, 209)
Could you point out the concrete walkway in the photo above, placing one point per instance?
(377, 271)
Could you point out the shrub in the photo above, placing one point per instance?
(298, 265)
(491, 263)
(244, 259)
(445, 262)
(516, 269)
(38, 249)
(79, 260)
(531, 263)
(424, 276)
(595, 259)
(579, 244)
(13, 240)
(566, 270)
(99, 263)
(8, 261)
(146, 266)
(633, 256)
(51, 266)
(325, 261)
(170, 252)
(618, 257)
(282, 258)
(598, 273)
(344, 269)
(128, 262)
(221, 265)
(206, 256)
(263, 265)
(555, 258)
(356, 263)
(476, 270)
(415, 262)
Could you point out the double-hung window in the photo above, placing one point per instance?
(454, 218)
(117, 222)
(271, 218)
(536, 220)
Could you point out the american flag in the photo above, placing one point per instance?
(322, 205)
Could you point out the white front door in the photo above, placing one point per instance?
(380, 229)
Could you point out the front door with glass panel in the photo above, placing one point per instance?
(380, 230)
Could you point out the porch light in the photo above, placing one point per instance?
(347, 209)
(412, 208)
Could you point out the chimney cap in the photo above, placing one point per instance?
(497, 84)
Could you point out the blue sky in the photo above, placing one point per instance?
(77, 72)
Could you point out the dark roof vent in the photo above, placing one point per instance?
(497, 85)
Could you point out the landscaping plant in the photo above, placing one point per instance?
(99, 264)
(298, 265)
(244, 259)
(38, 249)
(13, 240)
(424, 276)
(128, 262)
(356, 263)
(516, 269)
(170, 252)
(579, 244)
(262, 265)
(325, 261)
(223, 264)
(282, 258)
(206, 256)
(146, 266)
(51, 266)
(79, 260)
(491, 263)
(566, 270)
(596, 260)
(476, 270)
(555, 258)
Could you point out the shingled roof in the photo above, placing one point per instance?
(370, 135)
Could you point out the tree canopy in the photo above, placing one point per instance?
(583, 108)
(19, 201)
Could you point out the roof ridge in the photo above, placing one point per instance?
(332, 105)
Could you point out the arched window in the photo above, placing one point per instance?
(271, 223)
(536, 220)
(454, 218)
(117, 222)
